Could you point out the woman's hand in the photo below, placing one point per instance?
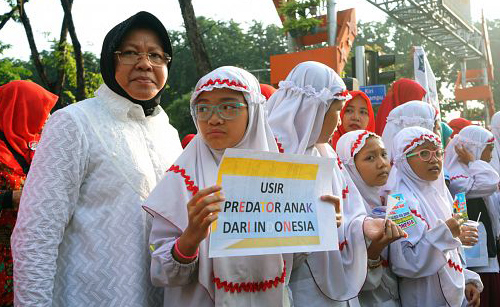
(334, 200)
(202, 211)
(472, 294)
(464, 156)
(468, 235)
(390, 233)
(454, 225)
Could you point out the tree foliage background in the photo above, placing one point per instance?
(248, 46)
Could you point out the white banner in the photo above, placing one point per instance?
(425, 77)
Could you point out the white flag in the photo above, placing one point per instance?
(425, 77)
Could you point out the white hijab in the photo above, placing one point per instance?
(297, 109)
(414, 113)
(348, 146)
(196, 168)
(429, 199)
(296, 114)
(474, 139)
(495, 129)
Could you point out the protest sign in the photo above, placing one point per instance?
(398, 211)
(272, 205)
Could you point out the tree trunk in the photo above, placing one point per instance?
(31, 40)
(61, 71)
(7, 16)
(80, 72)
(194, 38)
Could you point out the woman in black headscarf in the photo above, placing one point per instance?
(81, 237)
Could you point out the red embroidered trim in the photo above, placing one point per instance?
(251, 286)
(358, 142)
(422, 137)
(491, 140)
(280, 146)
(345, 192)
(224, 81)
(419, 216)
(455, 266)
(343, 94)
(187, 179)
(458, 176)
(339, 162)
(342, 244)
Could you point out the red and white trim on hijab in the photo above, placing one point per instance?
(415, 213)
(344, 95)
(230, 83)
(491, 141)
(360, 142)
(420, 140)
(256, 286)
(339, 162)
(187, 179)
(458, 177)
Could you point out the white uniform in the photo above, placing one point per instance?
(81, 234)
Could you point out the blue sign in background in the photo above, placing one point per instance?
(376, 93)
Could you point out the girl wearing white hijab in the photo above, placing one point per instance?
(179, 237)
(495, 129)
(467, 159)
(414, 113)
(365, 158)
(428, 261)
(303, 114)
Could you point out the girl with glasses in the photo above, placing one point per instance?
(428, 263)
(228, 111)
(365, 158)
(467, 158)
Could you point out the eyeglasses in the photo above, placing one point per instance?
(426, 154)
(226, 110)
(133, 57)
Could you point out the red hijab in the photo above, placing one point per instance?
(403, 90)
(267, 90)
(340, 128)
(24, 108)
(458, 124)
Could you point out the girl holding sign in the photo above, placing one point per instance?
(227, 108)
(467, 159)
(365, 158)
(303, 114)
(428, 261)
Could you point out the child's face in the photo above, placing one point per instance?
(426, 170)
(372, 163)
(486, 155)
(356, 115)
(330, 122)
(217, 132)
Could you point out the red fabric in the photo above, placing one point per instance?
(402, 91)
(24, 108)
(224, 81)
(458, 124)
(186, 140)
(267, 90)
(340, 128)
(187, 179)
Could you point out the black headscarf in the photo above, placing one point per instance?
(113, 40)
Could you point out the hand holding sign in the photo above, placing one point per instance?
(202, 211)
(334, 200)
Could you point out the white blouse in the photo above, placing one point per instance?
(81, 237)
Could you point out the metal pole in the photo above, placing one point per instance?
(331, 12)
(360, 72)
(486, 103)
(463, 66)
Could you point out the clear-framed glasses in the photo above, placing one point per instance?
(226, 110)
(426, 154)
(133, 57)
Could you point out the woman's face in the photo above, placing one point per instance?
(217, 132)
(372, 162)
(142, 81)
(487, 153)
(330, 122)
(356, 115)
(426, 170)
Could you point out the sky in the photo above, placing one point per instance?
(94, 18)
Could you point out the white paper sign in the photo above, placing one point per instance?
(273, 205)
